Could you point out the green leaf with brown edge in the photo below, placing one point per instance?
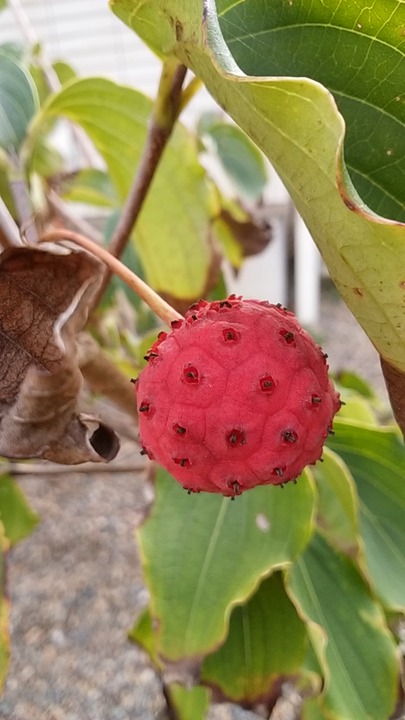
(18, 519)
(212, 553)
(266, 646)
(295, 121)
(348, 631)
(172, 234)
(337, 503)
(376, 460)
(189, 703)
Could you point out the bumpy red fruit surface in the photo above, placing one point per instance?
(236, 395)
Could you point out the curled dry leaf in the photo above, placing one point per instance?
(253, 234)
(44, 300)
(395, 382)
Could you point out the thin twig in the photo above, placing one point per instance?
(33, 468)
(165, 113)
(149, 296)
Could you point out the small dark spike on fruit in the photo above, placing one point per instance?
(176, 324)
(278, 471)
(230, 334)
(288, 336)
(179, 429)
(183, 462)
(316, 399)
(225, 304)
(144, 407)
(150, 356)
(267, 383)
(330, 430)
(133, 381)
(235, 486)
(143, 451)
(190, 374)
(236, 437)
(342, 403)
(289, 436)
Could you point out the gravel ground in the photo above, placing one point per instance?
(76, 584)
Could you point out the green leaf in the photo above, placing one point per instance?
(189, 703)
(142, 634)
(46, 161)
(266, 643)
(311, 710)
(358, 409)
(231, 247)
(172, 233)
(351, 381)
(92, 187)
(15, 514)
(5, 188)
(376, 459)
(241, 160)
(18, 102)
(296, 123)
(337, 503)
(4, 612)
(349, 635)
(202, 554)
(356, 50)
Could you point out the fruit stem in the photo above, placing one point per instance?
(149, 296)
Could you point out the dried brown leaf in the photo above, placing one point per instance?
(253, 234)
(44, 300)
(395, 382)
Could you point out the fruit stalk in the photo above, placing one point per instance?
(159, 306)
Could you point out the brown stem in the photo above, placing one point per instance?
(149, 296)
(166, 110)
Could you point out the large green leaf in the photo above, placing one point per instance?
(376, 458)
(365, 72)
(15, 514)
(296, 123)
(266, 643)
(18, 101)
(348, 632)
(337, 503)
(202, 554)
(172, 234)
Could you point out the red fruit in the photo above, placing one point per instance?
(237, 395)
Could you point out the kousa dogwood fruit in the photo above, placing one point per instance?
(236, 395)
